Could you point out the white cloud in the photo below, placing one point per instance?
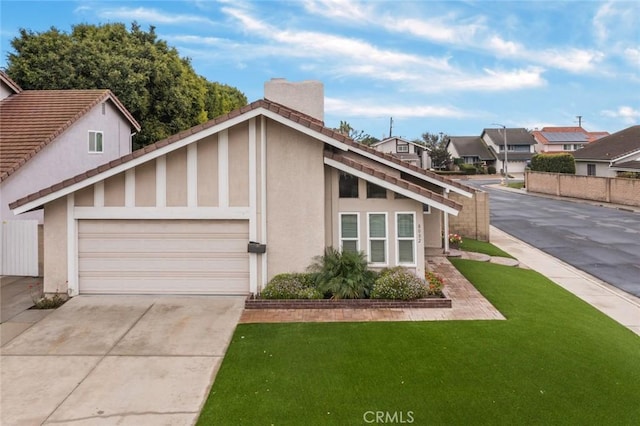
(632, 56)
(373, 109)
(151, 15)
(627, 114)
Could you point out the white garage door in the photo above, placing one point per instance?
(163, 257)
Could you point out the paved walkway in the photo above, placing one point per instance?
(617, 304)
(467, 304)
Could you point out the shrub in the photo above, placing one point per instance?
(291, 286)
(468, 169)
(343, 275)
(554, 163)
(491, 170)
(434, 284)
(400, 284)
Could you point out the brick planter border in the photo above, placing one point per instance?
(433, 302)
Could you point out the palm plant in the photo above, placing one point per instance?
(343, 275)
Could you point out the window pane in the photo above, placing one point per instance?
(377, 252)
(375, 191)
(92, 141)
(99, 142)
(349, 226)
(405, 251)
(350, 246)
(348, 186)
(405, 226)
(377, 226)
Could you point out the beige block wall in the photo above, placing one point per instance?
(55, 246)
(295, 201)
(605, 189)
(473, 219)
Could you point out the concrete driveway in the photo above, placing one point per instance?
(126, 360)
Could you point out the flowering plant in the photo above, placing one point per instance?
(434, 283)
(455, 239)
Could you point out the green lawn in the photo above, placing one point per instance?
(516, 185)
(555, 360)
(482, 247)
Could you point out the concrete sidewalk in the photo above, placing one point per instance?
(617, 304)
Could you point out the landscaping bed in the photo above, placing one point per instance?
(429, 302)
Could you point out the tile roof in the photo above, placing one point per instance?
(559, 135)
(365, 168)
(515, 136)
(32, 119)
(611, 147)
(9, 82)
(471, 146)
(285, 112)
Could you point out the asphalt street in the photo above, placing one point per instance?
(601, 241)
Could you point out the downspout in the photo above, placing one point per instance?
(446, 225)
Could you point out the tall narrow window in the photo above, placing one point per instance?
(349, 231)
(405, 223)
(95, 142)
(348, 185)
(375, 191)
(591, 169)
(378, 238)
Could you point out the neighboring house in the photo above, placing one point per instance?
(47, 136)
(408, 151)
(619, 152)
(563, 139)
(471, 150)
(224, 206)
(520, 147)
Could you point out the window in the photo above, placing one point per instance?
(375, 191)
(405, 224)
(566, 147)
(95, 142)
(402, 148)
(577, 146)
(348, 185)
(426, 209)
(378, 238)
(591, 169)
(349, 231)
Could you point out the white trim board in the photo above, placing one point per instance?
(229, 213)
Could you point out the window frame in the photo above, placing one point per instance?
(590, 167)
(385, 239)
(403, 146)
(340, 236)
(373, 186)
(357, 186)
(95, 133)
(398, 239)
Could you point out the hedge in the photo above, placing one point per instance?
(554, 163)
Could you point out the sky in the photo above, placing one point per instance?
(455, 67)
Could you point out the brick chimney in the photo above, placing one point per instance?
(304, 96)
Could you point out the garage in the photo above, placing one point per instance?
(163, 256)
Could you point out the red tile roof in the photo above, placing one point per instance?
(32, 119)
(9, 82)
(281, 110)
(540, 137)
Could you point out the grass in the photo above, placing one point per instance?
(555, 360)
(516, 185)
(483, 247)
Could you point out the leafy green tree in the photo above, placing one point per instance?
(158, 87)
(437, 145)
(358, 136)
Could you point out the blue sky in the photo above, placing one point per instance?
(454, 67)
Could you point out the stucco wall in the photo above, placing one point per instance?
(473, 219)
(239, 166)
(66, 157)
(602, 169)
(208, 171)
(295, 201)
(55, 246)
(605, 189)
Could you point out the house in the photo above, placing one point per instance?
(471, 150)
(610, 155)
(411, 152)
(224, 206)
(563, 139)
(520, 147)
(47, 136)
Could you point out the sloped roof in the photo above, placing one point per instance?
(562, 135)
(398, 140)
(32, 119)
(512, 156)
(9, 82)
(285, 112)
(472, 146)
(611, 147)
(515, 136)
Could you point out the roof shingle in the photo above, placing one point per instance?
(611, 147)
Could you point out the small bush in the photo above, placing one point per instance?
(291, 286)
(343, 275)
(491, 170)
(49, 302)
(468, 169)
(398, 284)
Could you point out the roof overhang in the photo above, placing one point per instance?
(388, 185)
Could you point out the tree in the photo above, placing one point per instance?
(158, 87)
(437, 146)
(358, 136)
